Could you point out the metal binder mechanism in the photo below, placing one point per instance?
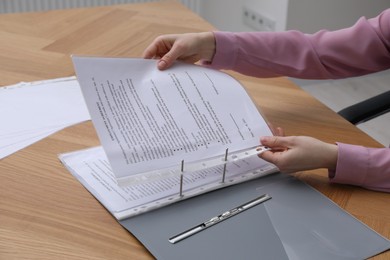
(219, 218)
(224, 166)
(196, 166)
(181, 178)
(174, 171)
(231, 157)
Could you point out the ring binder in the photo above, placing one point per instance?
(181, 179)
(224, 166)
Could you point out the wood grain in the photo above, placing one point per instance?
(45, 213)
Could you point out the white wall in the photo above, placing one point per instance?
(310, 16)
(305, 15)
(276, 10)
(227, 15)
(223, 14)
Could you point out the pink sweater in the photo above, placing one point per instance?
(361, 49)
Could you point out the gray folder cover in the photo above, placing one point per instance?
(297, 223)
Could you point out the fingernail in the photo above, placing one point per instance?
(264, 139)
(161, 64)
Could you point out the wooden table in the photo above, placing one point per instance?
(45, 213)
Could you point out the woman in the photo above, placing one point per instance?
(358, 50)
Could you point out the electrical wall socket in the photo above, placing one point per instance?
(257, 21)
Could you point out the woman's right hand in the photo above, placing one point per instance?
(188, 47)
(299, 153)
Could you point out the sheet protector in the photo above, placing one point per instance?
(297, 223)
(91, 167)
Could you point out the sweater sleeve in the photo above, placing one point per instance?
(354, 51)
(362, 166)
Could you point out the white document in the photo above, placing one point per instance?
(31, 111)
(149, 121)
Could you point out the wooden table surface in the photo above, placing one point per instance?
(45, 213)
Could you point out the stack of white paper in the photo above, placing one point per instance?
(34, 110)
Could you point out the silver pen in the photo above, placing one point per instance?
(219, 218)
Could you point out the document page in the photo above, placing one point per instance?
(31, 111)
(150, 120)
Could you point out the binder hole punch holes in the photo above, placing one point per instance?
(262, 149)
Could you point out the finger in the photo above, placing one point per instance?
(268, 156)
(169, 58)
(279, 131)
(150, 52)
(275, 141)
